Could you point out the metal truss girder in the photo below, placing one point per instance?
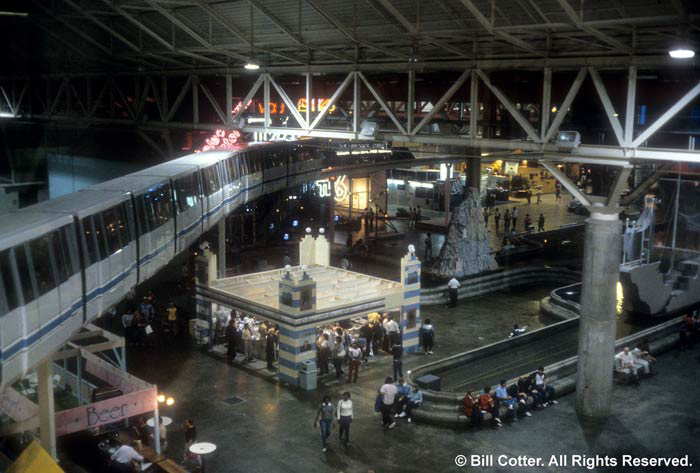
(522, 121)
(383, 104)
(249, 96)
(564, 110)
(589, 29)
(290, 105)
(607, 105)
(341, 88)
(566, 182)
(441, 101)
(618, 186)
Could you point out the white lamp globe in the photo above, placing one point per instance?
(308, 229)
(321, 230)
(411, 249)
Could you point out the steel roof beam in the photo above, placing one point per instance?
(589, 29)
(496, 31)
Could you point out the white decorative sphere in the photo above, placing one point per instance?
(321, 230)
(411, 249)
(308, 229)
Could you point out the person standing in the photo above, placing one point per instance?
(324, 354)
(172, 318)
(486, 216)
(497, 218)
(428, 248)
(127, 323)
(417, 220)
(338, 357)
(540, 223)
(355, 355)
(325, 417)
(388, 393)
(506, 221)
(248, 342)
(190, 432)
(514, 217)
(452, 287)
(529, 196)
(428, 337)
(344, 417)
(286, 261)
(270, 349)
(397, 353)
(411, 217)
(539, 195)
(231, 341)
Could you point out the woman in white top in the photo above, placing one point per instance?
(344, 416)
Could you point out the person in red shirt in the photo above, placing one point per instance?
(487, 405)
(472, 410)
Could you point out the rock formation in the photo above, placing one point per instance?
(467, 249)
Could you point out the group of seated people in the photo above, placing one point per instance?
(631, 362)
(514, 398)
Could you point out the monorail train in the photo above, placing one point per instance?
(66, 260)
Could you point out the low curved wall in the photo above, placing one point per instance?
(445, 409)
(501, 279)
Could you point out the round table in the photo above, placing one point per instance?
(202, 448)
(166, 421)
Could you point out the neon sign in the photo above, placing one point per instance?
(221, 140)
(280, 108)
(340, 188)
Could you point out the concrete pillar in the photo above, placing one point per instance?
(474, 173)
(221, 253)
(447, 194)
(596, 346)
(47, 415)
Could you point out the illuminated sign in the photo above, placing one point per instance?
(280, 108)
(340, 188)
(221, 140)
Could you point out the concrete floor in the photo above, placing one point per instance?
(272, 431)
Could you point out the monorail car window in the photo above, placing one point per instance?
(100, 236)
(25, 277)
(210, 179)
(232, 166)
(11, 299)
(157, 206)
(187, 192)
(141, 222)
(41, 262)
(89, 236)
(244, 163)
(112, 233)
(61, 255)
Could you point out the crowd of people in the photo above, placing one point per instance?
(513, 398)
(139, 321)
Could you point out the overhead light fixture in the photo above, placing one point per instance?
(252, 66)
(681, 53)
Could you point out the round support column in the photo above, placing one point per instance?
(596, 340)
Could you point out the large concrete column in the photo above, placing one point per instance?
(474, 173)
(596, 346)
(47, 415)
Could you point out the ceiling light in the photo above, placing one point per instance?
(681, 53)
(251, 66)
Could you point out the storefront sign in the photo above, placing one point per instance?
(106, 412)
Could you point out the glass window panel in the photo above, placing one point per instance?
(41, 262)
(141, 223)
(25, 276)
(111, 229)
(89, 235)
(8, 281)
(100, 235)
(59, 256)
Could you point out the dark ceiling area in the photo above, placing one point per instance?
(155, 35)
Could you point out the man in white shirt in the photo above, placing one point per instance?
(388, 392)
(626, 363)
(452, 287)
(392, 330)
(542, 386)
(344, 416)
(124, 456)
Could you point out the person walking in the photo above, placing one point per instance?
(486, 216)
(355, 355)
(452, 287)
(428, 333)
(325, 417)
(231, 341)
(506, 221)
(539, 195)
(540, 223)
(388, 393)
(558, 193)
(344, 418)
(397, 354)
(514, 217)
(428, 248)
(417, 220)
(497, 218)
(529, 195)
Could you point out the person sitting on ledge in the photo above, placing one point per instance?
(503, 398)
(517, 330)
(541, 385)
(641, 358)
(626, 364)
(521, 391)
(473, 410)
(487, 405)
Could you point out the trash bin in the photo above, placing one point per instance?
(307, 375)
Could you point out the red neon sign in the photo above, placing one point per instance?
(221, 140)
